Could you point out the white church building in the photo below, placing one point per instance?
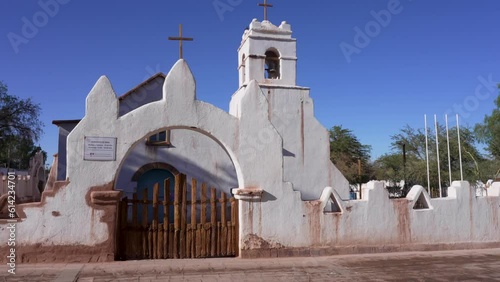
(156, 173)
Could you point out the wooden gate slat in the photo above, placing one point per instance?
(229, 238)
(193, 217)
(198, 240)
(166, 220)
(177, 215)
(203, 219)
(213, 221)
(219, 239)
(159, 247)
(183, 218)
(208, 238)
(189, 239)
(154, 253)
(171, 231)
(224, 224)
(135, 233)
(144, 219)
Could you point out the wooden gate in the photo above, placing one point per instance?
(201, 233)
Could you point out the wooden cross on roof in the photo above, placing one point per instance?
(265, 5)
(180, 39)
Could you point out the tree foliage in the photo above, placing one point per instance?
(488, 132)
(391, 166)
(346, 150)
(20, 128)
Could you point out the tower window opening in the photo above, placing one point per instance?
(243, 68)
(272, 70)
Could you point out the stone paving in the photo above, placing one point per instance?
(469, 265)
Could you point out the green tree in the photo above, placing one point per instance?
(346, 151)
(20, 128)
(488, 132)
(391, 165)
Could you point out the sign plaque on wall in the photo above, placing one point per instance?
(99, 149)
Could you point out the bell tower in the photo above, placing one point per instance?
(268, 89)
(268, 54)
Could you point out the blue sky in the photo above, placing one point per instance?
(431, 57)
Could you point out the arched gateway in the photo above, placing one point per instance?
(180, 209)
(142, 216)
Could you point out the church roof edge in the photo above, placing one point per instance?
(66, 121)
(160, 74)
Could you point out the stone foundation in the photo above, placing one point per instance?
(60, 254)
(347, 250)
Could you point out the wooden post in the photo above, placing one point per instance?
(166, 220)
(136, 239)
(208, 229)
(199, 229)
(156, 190)
(203, 218)
(189, 240)
(183, 218)
(177, 214)
(159, 249)
(144, 214)
(229, 238)
(171, 241)
(219, 239)
(193, 217)
(224, 224)
(213, 221)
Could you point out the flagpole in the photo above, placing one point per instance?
(448, 141)
(427, 156)
(437, 155)
(460, 150)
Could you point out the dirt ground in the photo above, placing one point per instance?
(468, 265)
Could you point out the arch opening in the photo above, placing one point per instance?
(272, 65)
(193, 152)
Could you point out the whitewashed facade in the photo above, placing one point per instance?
(269, 147)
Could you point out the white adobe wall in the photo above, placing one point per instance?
(25, 182)
(307, 161)
(378, 223)
(494, 189)
(306, 143)
(26, 189)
